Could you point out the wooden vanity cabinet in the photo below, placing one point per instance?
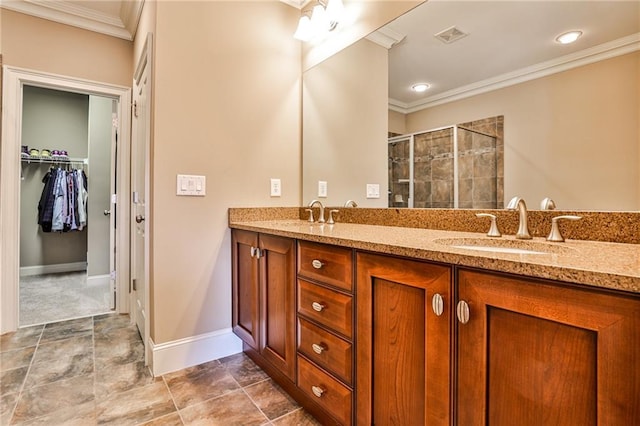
(245, 287)
(403, 360)
(325, 327)
(535, 352)
(264, 313)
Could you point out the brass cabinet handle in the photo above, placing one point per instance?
(318, 348)
(462, 311)
(317, 391)
(437, 304)
(317, 263)
(317, 306)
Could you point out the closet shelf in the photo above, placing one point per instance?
(30, 160)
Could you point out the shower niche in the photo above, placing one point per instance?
(457, 166)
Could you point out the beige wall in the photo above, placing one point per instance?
(572, 136)
(227, 106)
(363, 17)
(46, 46)
(345, 126)
(397, 122)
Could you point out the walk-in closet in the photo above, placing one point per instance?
(68, 142)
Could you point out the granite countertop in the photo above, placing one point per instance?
(597, 264)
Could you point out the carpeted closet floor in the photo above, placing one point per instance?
(57, 297)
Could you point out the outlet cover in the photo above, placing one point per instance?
(373, 190)
(322, 188)
(276, 188)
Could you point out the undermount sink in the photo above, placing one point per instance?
(504, 246)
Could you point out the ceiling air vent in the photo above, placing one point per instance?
(450, 35)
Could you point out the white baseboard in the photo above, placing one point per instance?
(26, 271)
(183, 353)
(98, 280)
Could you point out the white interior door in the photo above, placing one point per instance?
(140, 148)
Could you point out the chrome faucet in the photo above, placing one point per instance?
(518, 203)
(350, 203)
(313, 203)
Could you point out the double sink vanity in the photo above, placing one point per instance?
(416, 317)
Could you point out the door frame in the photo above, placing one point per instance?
(14, 79)
(145, 62)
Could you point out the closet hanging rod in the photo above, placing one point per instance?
(82, 161)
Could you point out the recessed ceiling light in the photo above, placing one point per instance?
(568, 37)
(420, 87)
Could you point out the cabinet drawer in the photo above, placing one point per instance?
(328, 264)
(325, 390)
(325, 306)
(325, 349)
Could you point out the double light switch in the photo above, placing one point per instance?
(191, 185)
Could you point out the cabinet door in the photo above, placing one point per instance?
(539, 353)
(403, 347)
(245, 287)
(278, 310)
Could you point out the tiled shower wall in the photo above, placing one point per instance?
(481, 164)
(480, 167)
(433, 169)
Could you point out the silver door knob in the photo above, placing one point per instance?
(107, 212)
(139, 218)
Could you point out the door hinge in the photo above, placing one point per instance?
(134, 284)
(135, 109)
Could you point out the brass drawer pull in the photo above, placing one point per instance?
(317, 306)
(318, 348)
(317, 391)
(317, 263)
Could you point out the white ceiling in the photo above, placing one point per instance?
(117, 18)
(508, 42)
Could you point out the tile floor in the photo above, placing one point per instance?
(90, 371)
(62, 296)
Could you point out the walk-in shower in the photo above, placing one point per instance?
(458, 166)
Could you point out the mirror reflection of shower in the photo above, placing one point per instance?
(457, 166)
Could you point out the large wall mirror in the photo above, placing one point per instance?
(570, 113)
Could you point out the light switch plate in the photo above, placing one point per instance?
(191, 185)
(373, 190)
(276, 188)
(322, 188)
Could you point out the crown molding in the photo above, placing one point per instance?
(386, 37)
(601, 52)
(298, 4)
(76, 15)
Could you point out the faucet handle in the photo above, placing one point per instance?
(555, 234)
(310, 214)
(331, 212)
(493, 230)
(547, 204)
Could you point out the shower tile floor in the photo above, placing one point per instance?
(56, 297)
(90, 371)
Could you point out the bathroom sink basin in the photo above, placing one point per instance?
(504, 246)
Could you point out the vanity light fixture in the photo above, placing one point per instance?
(420, 87)
(322, 18)
(568, 37)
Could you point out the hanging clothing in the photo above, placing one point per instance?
(63, 203)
